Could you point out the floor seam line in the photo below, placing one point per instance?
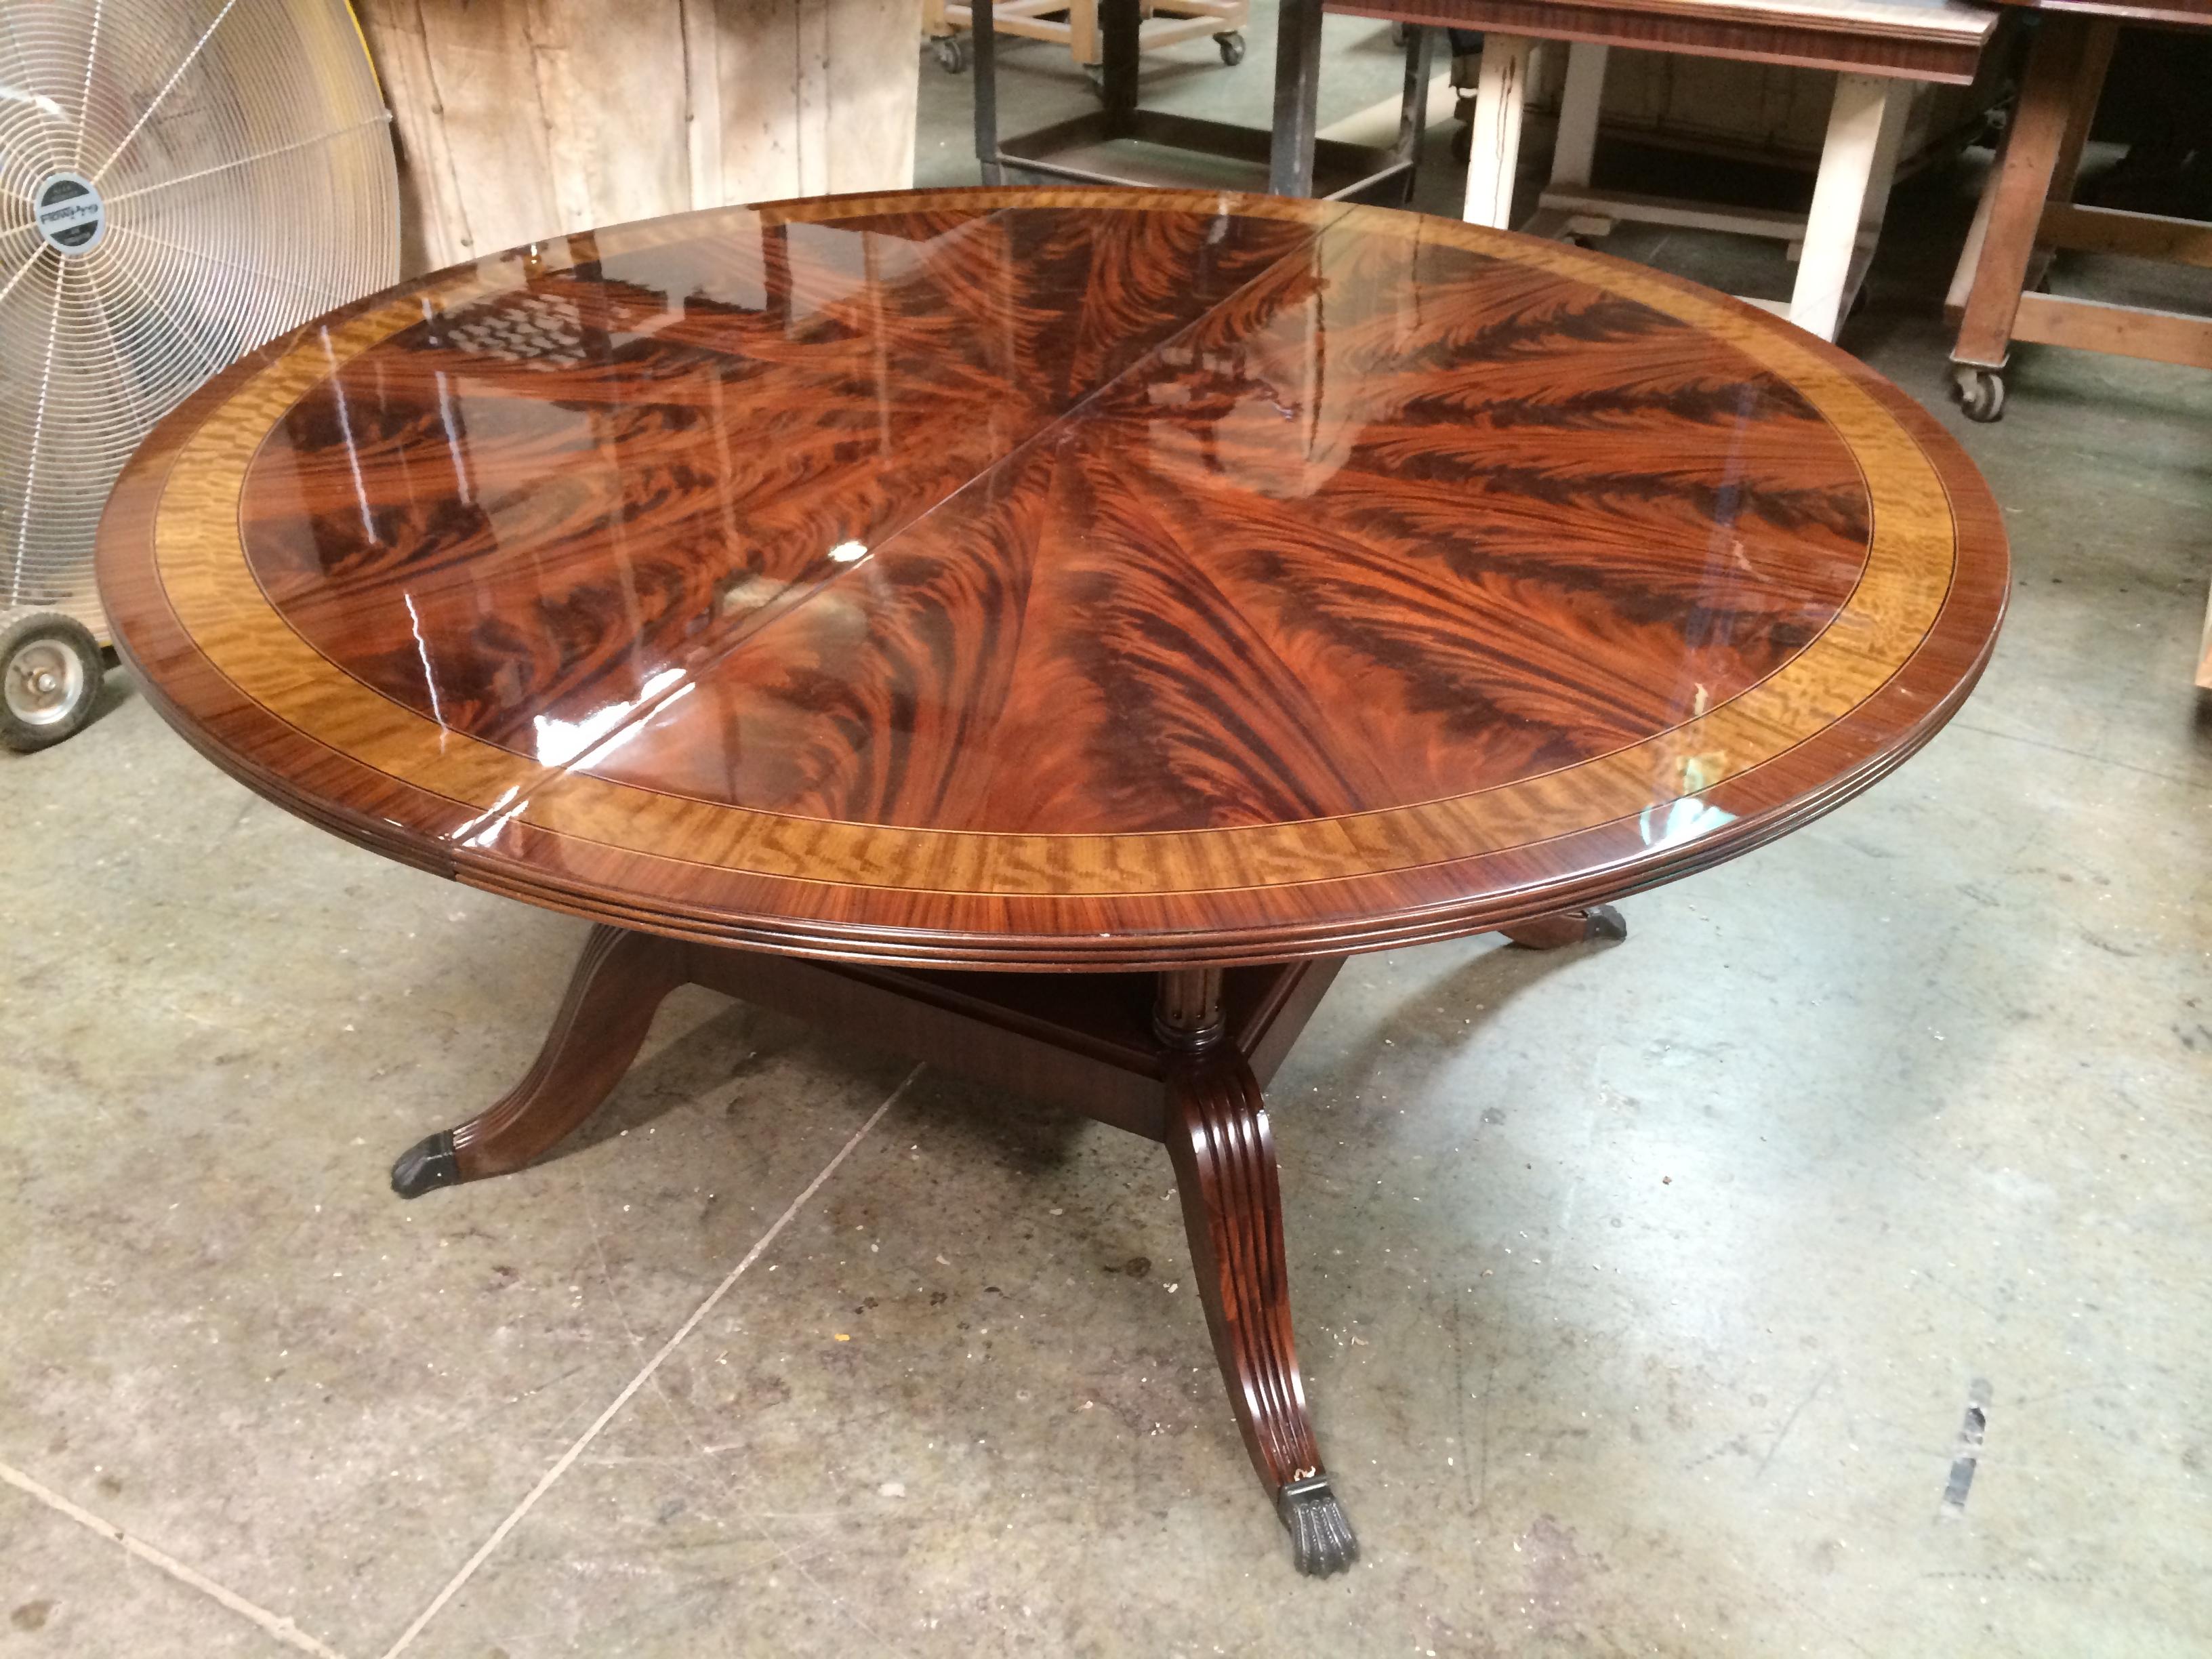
(2061, 749)
(275, 1624)
(582, 1442)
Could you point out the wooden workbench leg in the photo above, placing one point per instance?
(1858, 159)
(1233, 1208)
(2065, 69)
(2104, 35)
(1962, 275)
(621, 979)
(2063, 173)
(1494, 154)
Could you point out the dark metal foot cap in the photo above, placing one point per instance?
(1320, 1538)
(429, 1163)
(1606, 922)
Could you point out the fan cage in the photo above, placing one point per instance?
(180, 181)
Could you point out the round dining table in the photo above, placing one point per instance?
(1046, 631)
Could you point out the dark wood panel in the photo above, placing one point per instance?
(2170, 13)
(1082, 1040)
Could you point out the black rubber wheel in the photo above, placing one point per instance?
(953, 53)
(49, 676)
(1232, 48)
(1981, 393)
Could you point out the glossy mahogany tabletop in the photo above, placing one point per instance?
(1054, 578)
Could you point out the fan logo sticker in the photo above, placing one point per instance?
(71, 216)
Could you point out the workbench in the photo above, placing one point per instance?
(1877, 48)
(2028, 212)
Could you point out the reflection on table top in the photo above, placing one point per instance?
(1062, 577)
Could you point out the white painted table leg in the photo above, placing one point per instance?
(1858, 161)
(1578, 112)
(1883, 175)
(1499, 94)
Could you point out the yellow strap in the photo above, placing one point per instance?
(362, 36)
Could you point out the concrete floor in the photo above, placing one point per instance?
(1644, 1291)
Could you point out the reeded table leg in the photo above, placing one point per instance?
(1567, 927)
(621, 979)
(1224, 1163)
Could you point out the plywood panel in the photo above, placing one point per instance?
(762, 140)
(484, 67)
(518, 120)
(873, 99)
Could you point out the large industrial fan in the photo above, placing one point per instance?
(180, 180)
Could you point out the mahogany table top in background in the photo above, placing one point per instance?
(1938, 40)
(1072, 579)
(2169, 14)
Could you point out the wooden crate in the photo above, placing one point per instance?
(520, 119)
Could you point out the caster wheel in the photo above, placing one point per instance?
(1232, 48)
(1463, 145)
(953, 53)
(50, 675)
(1981, 393)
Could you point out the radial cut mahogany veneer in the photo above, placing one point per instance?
(1151, 597)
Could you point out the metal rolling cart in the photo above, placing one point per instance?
(1074, 24)
(1287, 159)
